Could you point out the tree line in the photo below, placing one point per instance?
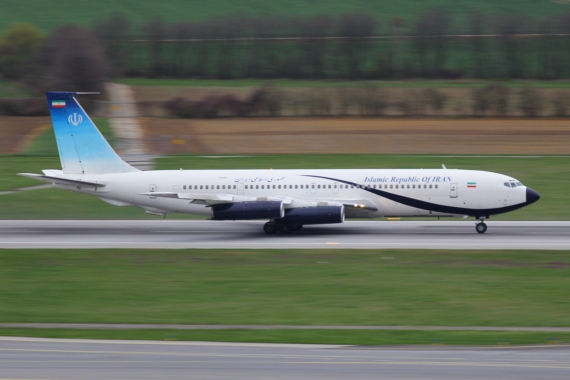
(350, 46)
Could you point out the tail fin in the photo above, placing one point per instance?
(82, 148)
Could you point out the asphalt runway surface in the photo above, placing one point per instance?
(34, 358)
(215, 234)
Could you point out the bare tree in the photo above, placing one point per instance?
(73, 60)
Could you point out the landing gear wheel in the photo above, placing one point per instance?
(285, 228)
(481, 228)
(269, 228)
(297, 227)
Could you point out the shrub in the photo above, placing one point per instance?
(23, 107)
(530, 102)
(434, 99)
(560, 103)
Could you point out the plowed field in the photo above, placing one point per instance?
(16, 132)
(358, 135)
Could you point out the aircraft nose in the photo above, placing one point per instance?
(531, 195)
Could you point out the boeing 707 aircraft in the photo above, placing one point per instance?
(287, 199)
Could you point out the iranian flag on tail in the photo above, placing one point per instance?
(472, 185)
(58, 104)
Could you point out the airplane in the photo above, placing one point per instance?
(288, 199)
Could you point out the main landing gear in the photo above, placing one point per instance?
(271, 228)
(481, 227)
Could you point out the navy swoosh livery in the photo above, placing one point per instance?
(287, 199)
(531, 197)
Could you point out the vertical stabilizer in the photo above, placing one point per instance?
(82, 148)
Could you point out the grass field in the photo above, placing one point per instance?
(308, 287)
(339, 336)
(550, 176)
(84, 12)
(146, 82)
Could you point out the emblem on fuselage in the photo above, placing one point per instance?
(75, 119)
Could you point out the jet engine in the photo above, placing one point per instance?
(313, 215)
(248, 210)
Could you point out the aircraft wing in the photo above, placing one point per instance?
(351, 205)
(61, 181)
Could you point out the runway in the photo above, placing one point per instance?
(33, 358)
(247, 235)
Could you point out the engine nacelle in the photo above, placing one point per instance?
(248, 210)
(313, 215)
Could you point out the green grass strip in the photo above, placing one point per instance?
(293, 287)
(340, 336)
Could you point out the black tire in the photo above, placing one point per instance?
(269, 228)
(285, 228)
(297, 227)
(481, 228)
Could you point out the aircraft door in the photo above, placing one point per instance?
(453, 190)
(152, 189)
(240, 188)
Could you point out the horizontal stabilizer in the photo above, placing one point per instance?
(60, 181)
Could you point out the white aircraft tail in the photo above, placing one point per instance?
(82, 148)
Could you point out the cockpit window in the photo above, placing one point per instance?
(518, 183)
(507, 184)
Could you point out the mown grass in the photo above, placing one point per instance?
(307, 287)
(83, 12)
(550, 176)
(350, 337)
(147, 82)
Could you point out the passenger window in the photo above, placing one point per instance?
(184, 187)
(201, 187)
(425, 186)
(274, 186)
(430, 186)
(391, 186)
(408, 186)
(397, 187)
(218, 187)
(257, 186)
(313, 186)
(436, 186)
(234, 187)
(195, 187)
(329, 186)
(413, 186)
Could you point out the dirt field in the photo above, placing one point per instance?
(16, 132)
(358, 135)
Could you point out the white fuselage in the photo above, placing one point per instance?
(364, 192)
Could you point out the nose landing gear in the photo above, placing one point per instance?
(481, 227)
